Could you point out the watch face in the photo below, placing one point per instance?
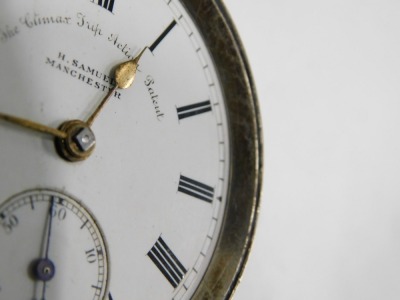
(124, 198)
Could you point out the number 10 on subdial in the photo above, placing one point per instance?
(67, 256)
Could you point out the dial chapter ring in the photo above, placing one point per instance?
(246, 164)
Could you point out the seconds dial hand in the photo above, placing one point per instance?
(44, 269)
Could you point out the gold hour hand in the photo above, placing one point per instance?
(125, 74)
(74, 139)
(33, 125)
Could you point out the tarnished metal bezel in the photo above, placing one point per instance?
(234, 243)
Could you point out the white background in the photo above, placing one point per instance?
(328, 75)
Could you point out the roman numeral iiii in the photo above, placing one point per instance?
(166, 261)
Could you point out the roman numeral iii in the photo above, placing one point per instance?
(196, 189)
(166, 261)
(193, 109)
(107, 4)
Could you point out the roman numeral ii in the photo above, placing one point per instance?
(193, 109)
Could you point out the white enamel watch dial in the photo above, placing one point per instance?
(122, 172)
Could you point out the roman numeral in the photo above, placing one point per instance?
(107, 4)
(196, 189)
(166, 261)
(162, 36)
(193, 109)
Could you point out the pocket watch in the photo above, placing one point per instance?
(130, 149)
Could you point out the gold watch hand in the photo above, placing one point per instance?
(33, 125)
(125, 74)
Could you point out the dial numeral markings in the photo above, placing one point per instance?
(162, 36)
(91, 256)
(196, 189)
(166, 261)
(9, 223)
(107, 4)
(193, 109)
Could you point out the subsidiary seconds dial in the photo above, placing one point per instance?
(53, 248)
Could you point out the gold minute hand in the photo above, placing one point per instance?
(33, 125)
(125, 74)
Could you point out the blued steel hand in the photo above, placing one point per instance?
(125, 74)
(45, 267)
